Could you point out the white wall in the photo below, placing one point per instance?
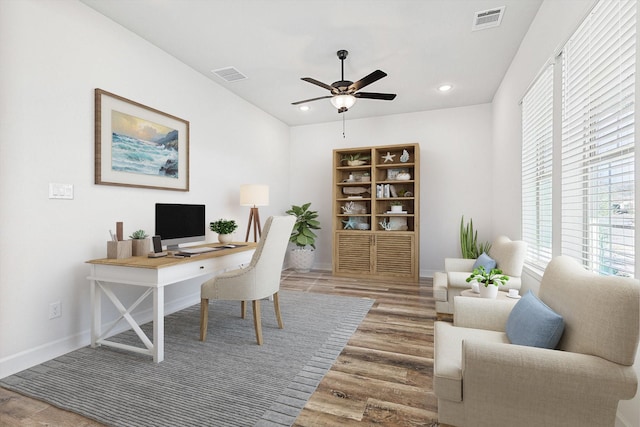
(53, 56)
(455, 147)
(555, 22)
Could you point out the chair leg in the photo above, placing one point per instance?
(243, 309)
(256, 320)
(276, 307)
(204, 318)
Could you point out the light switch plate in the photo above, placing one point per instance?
(60, 191)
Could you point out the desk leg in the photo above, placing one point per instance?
(96, 318)
(158, 324)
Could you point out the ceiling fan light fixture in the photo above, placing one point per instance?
(343, 102)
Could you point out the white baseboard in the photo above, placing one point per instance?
(34, 356)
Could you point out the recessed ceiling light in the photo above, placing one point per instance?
(445, 88)
(304, 108)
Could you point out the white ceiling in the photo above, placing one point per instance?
(420, 44)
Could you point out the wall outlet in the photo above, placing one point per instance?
(55, 310)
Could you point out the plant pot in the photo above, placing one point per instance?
(490, 291)
(396, 208)
(225, 238)
(301, 259)
(140, 247)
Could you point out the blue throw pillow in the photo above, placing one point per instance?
(533, 323)
(486, 261)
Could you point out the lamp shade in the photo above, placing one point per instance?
(254, 195)
(343, 101)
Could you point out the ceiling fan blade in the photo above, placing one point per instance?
(374, 95)
(375, 76)
(318, 83)
(312, 99)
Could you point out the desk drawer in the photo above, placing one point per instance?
(202, 267)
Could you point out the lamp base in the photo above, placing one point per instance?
(254, 218)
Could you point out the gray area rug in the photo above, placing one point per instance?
(227, 381)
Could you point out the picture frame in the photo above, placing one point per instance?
(139, 146)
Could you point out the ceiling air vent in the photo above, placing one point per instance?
(487, 18)
(229, 74)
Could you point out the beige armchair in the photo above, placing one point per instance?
(509, 256)
(481, 379)
(260, 279)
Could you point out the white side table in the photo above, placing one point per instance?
(503, 296)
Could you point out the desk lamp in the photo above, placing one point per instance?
(254, 195)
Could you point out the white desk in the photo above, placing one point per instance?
(153, 274)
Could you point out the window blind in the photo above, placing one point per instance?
(537, 147)
(598, 91)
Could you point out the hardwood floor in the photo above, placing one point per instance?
(383, 376)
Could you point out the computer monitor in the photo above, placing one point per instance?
(180, 223)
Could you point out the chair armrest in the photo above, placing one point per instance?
(481, 313)
(458, 264)
(549, 377)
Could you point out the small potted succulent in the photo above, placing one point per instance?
(140, 243)
(396, 207)
(488, 281)
(356, 159)
(224, 228)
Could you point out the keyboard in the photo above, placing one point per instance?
(193, 251)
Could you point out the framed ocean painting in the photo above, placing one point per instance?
(138, 146)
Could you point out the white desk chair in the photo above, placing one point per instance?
(261, 279)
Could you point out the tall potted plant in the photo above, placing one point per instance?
(469, 245)
(302, 235)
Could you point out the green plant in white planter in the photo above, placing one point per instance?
(224, 228)
(140, 243)
(488, 281)
(303, 236)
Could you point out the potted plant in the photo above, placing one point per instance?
(140, 243)
(357, 159)
(224, 228)
(303, 236)
(469, 245)
(488, 281)
(396, 207)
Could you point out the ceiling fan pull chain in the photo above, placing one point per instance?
(343, 136)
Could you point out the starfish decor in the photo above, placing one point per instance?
(349, 224)
(389, 157)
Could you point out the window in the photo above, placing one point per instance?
(592, 137)
(537, 146)
(598, 91)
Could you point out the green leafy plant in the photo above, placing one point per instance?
(396, 203)
(302, 234)
(354, 157)
(494, 277)
(138, 235)
(469, 245)
(223, 226)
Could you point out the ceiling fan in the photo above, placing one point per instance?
(344, 92)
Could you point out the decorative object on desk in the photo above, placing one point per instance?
(388, 158)
(469, 245)
(119, 249)
(139, 243)
(302, 256)
(254, 195)
(224, 228)
(405, 156)
(357, 159)
(158, 143)
(488, 281)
